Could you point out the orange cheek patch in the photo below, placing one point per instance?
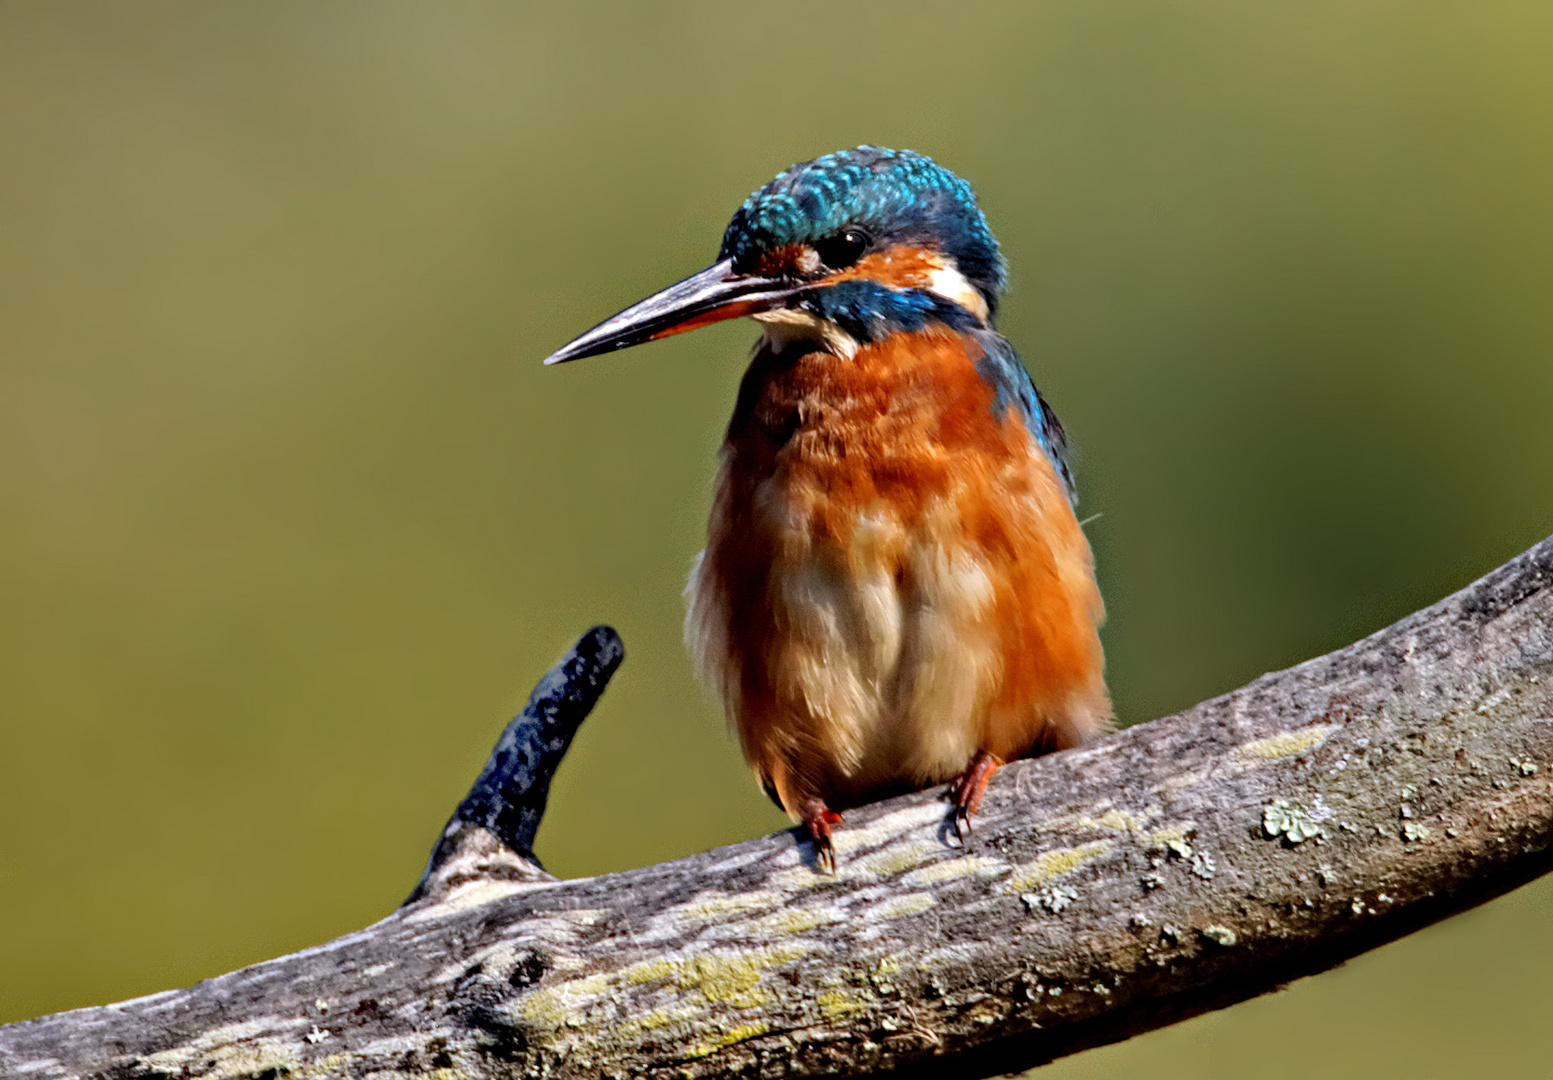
(900, 267)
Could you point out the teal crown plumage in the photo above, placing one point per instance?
(894, 196)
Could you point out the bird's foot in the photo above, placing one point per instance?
(966, 792)
(817, 820)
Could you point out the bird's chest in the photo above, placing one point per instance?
(864, 454)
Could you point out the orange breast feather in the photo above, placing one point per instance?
(893, 578)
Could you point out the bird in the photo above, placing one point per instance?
(895, 591)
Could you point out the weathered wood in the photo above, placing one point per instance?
(1173, 868)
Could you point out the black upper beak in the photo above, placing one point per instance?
(715, 294)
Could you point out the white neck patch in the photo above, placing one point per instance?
(947, 281)
(785, 327)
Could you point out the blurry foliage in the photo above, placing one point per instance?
(293, 517)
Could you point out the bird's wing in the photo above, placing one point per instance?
(1013, 388)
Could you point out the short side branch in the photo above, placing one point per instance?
(491, 834)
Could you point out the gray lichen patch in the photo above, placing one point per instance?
(1292, 823)
(1219, 935)
(1053, 899)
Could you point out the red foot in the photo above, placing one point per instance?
(966, 792)
(817, 819)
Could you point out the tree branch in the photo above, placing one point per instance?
(1176, 867)
(491, 834)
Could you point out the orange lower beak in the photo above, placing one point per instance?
(716, 293)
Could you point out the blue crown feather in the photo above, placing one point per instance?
(895, 196)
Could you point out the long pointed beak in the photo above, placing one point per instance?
(715, 294)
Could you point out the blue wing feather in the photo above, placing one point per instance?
(1013, 389)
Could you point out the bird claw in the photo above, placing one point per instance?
(817, 821)
(960, 822)
(966, 793)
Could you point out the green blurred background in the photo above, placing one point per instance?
(291, 517)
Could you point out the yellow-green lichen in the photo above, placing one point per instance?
(228, 1051)
(953, 868)
(803, 877)
(649, 971)
(1051, 864)
(1171, 836)
(715, 906)
(732, 978)
(707, 1047)
(793, 920)
(895, 858)
(1118, 820)
(879, 978)
(651, 1021)
(558, 1006)
(910, 904)
(838, 1004)
(251, 1059)
(1285, 743)
(339, 1065)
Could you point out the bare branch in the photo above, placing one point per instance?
(491, 834)
(1176, 867)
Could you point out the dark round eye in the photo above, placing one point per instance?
(842, 250)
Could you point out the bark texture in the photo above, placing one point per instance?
(1174, 868)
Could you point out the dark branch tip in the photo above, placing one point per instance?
(491, 833)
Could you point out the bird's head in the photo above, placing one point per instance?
(841, 250)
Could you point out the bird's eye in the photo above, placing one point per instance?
(842, 250)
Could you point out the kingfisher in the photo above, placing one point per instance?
(895, 591)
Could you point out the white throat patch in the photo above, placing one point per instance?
(785, 327)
